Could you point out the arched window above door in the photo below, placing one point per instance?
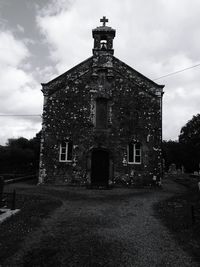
(101, 113)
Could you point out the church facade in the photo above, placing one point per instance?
(102, 122)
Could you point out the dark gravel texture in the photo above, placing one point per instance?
(99, 228)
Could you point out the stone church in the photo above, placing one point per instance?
(102, 122)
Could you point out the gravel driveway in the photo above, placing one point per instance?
(103, 228)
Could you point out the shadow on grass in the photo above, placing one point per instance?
(181, 214)
(15, 229)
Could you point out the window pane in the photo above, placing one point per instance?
(137, 152)
(130, 153)
(137, 146)
(63, 150)
(137, 159)
(63, 144)
(62, 157)
(69, 151)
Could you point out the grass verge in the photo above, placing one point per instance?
(15, 229)
(181, 214)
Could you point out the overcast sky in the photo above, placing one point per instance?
(40, 39)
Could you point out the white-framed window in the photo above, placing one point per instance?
(65, 152)
(134, 153)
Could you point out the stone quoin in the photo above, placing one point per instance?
(102, 122)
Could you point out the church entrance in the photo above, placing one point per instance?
(100, 167)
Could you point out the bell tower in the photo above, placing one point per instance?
(103, 38)
(103, 52)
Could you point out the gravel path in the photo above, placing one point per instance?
(104, 228)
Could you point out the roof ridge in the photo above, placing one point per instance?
(67, 72)
(142, 75)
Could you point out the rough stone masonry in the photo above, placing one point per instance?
(102, 122)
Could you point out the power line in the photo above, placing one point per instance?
(38, 115)
(178, 71)
(20, 115)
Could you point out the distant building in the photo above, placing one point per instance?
(102, 122)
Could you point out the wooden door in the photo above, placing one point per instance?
(100, 168)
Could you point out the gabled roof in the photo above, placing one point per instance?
(133, 75)
(84, 67)
(70, 75)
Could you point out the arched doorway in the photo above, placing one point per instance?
(99, 167)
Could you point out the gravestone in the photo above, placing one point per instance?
(1, 190)
(172, 169)
(182, 169)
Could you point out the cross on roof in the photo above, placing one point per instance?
(104, 20)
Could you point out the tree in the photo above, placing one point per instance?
(20, 142)
(172, 153)
(20, 155)
(189, 138)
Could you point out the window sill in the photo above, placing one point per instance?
(134, 163)
(67, 161)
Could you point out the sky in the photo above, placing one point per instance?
(41, 39)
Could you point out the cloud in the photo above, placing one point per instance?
(20, 28)
(20, 93)
(180, 102)
(12, 51)
(155, 38)
(62, 34)
(21, 127)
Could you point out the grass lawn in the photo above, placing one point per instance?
(33, 209)
(181, 214)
